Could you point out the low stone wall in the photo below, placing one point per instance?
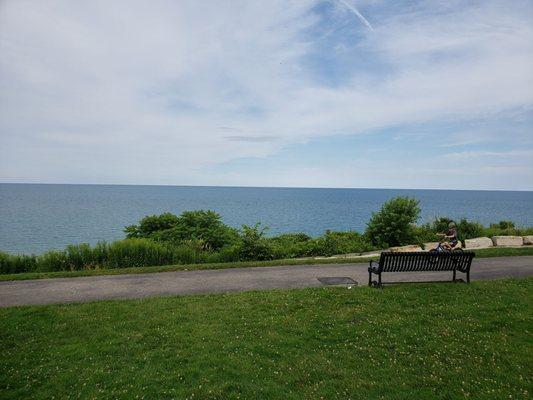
(528, 240)
(477, 243)
(433, 245)
(430, 246)
(508, 240)
(405, 249)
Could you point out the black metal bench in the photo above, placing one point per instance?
(421, 261)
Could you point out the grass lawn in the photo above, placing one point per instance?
(416, 341)
(493, 252)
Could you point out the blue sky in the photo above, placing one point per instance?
(333, 93)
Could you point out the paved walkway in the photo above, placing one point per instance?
(62, 290)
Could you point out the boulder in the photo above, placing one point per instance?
(405, 249)
(430, 245)
(507, 240)
(478, 243)
(528, 240)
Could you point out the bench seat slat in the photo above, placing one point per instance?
(424, 261)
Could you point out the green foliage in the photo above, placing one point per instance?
(393, 225)
(15, 263)
(332, 243)
(468, 229)
(253, 244)
(205, 227)
(151, 224)
(503, 225)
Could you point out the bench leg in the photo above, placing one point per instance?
(369, 278)
(379, 281)
(454, 275)
(468, 276)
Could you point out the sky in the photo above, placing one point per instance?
(303, 93)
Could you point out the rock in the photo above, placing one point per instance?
(507, 240)
(405, 249)
(430, 246)
(478, 243)
(528, 240)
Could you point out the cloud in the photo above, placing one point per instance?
(528, 154)
(353, 9)
(251, 138)
(150, 92)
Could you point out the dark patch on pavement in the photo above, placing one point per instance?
(337, 280)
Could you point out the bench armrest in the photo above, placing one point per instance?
(374, 266)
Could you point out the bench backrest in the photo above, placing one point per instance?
(425, 261)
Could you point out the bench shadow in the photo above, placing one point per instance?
(421, 282)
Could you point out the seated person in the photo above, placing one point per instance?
(451, 236)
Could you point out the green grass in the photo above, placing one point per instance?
(494, 252)
(419, 341)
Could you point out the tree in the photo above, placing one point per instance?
(393, 224)
(203, 227)
(253, 244)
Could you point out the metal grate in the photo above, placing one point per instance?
(337, 280)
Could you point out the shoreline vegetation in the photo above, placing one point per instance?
(198, 239)
(480, 253)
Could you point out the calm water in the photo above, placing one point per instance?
(36, 218)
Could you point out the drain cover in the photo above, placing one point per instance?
(337, 280)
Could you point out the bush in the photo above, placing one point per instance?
(151, 224)
(253, 244)
(425, 233)
(393, 225)
(15, 263)
(467, 229)
(201, 225)
(53, 260)
(332, 243)
(503, 225)
(289, 245)
(138, 253)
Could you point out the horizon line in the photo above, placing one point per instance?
(262, 187)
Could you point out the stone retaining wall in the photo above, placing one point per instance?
(477, 243)
(507, 240)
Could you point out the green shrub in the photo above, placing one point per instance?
(468, 229)
(253, 245)
(503, 225)
(393, 225)
(332, 243)
(17, 263)
(53, 260)
(201, 225)
(80, 256)
(425, 233)
(151, 224)
(138, 253)
(289, 245)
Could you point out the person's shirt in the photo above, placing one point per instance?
(452, 233)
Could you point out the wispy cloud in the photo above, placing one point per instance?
(353, 9)
(258, 139)
(490, 154)
(90, 94)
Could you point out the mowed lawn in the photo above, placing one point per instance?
(412, 341)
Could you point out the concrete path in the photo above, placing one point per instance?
(62, 290)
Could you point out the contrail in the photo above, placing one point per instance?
(357, 13)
